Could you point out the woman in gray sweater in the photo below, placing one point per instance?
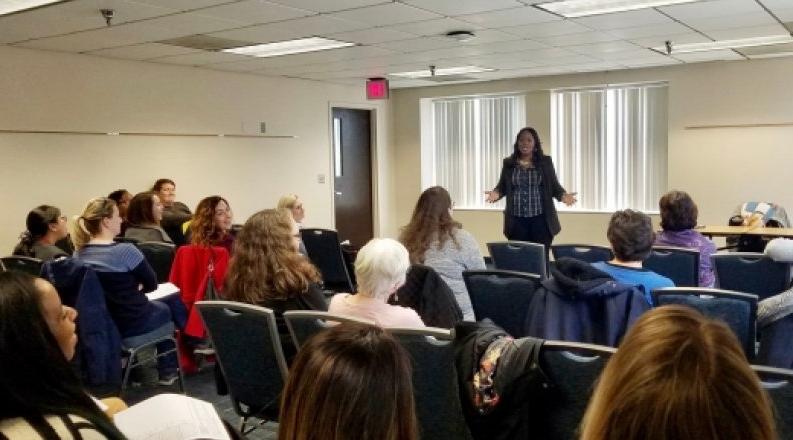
(435, 239)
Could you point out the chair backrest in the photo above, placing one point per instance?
(750, 273)
(159, 256)
(584, 252)
(519, 256)
(248, 350)
(737, 310)
(681, 265)
(19, 263)
(501, 295)
(324, 250)
(435, 388)
(573, 369)
(303, 324)
(778, 383)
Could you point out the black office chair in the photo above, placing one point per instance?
(737, 310)
(324, 250)
(160, 256)
(584, 252)
(18, 263)
(750, 273)
(778, 383)
(435, 385)
(501, 295)
(519, 256)
(681, 265)
(303, 324)
(573, 369)
(249, 352)
(775, 349)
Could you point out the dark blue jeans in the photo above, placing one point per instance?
(159, 323)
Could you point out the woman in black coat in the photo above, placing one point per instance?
(528, 181)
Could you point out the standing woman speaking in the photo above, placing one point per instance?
(528, 181)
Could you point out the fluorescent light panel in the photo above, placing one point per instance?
(442, 72)
(727, 44)
(582, 8)
(302, 45)
(11, 6)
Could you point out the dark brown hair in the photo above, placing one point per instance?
(678, 211)
(141, 209)
(678, 375)
(431, 220)
(38, 224)
(203, 230)
(352, 381)
(631, 235)
(537, 154)
(160, 183)
(265, 265)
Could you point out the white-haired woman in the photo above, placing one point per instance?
(380, 268)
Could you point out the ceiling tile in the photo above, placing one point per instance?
(712, 8)
(291, 29)
(181, 5)
(509, 17)
(191, 23)
(74, 16)
(420, 44)
(706, 24)
(711, 55)
(748, 32)
(201, 58)
(683, 38)
(618, 20)
(329, 6)
(649, 62)
(389, 13)
(248, 65)
(254, 12)
(462, 7)
(650, 31)
(142, 51)
(327, 56)
(549, 29)
(604, 48)
(103, 38)
(372, 36)
(438, 26)
(577, 39)
(786, 15)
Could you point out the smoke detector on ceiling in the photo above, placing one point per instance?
(461, 36)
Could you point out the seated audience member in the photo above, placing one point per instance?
(144, 216)
(268, 271)
(42, 398)
(678, 375)
(122, 198)
(355, 382)
(294, 204)
(631, 236)
(380, 268)
(174, 213)
(125, 276)
(211, 224)
(45, 226)
(775, 314)
(678, 219)
(433, 238)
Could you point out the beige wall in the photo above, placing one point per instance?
(720, 168)
(55, 91)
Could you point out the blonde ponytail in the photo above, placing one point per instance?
(89, 223)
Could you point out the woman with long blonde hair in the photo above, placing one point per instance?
(678, 375)
(268, 271)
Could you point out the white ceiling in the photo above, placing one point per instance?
(513, 37)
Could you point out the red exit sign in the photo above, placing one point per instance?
(377, 88)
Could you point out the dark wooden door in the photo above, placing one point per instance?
(352, 168)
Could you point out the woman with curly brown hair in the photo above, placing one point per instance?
(268, 271)
(211, 224)
(678, 375)
(433, 238)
